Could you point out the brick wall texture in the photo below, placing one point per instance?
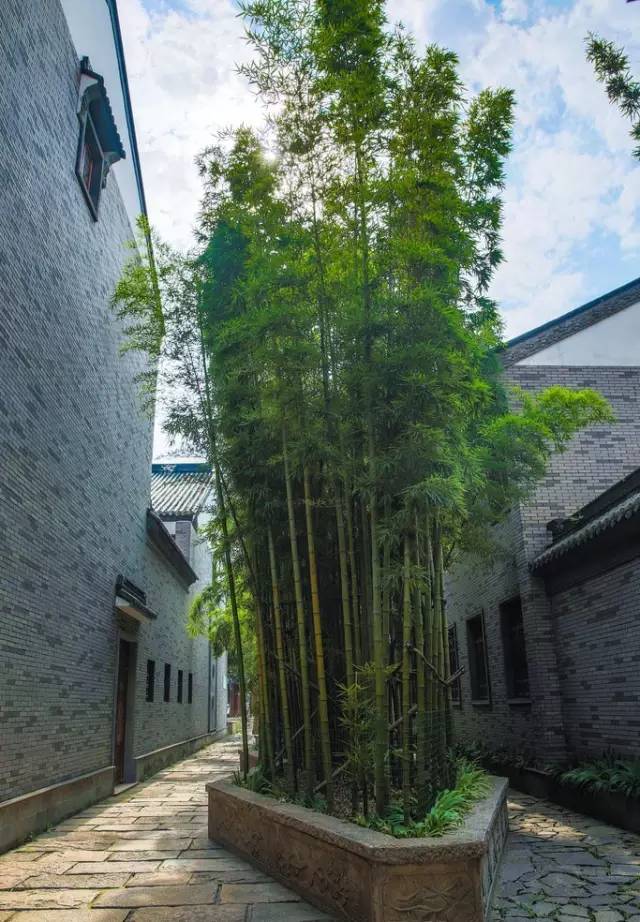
(74, 444)
(575, 678)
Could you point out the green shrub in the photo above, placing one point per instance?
(448, 811)
(607, 774)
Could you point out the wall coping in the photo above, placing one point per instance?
(40, 792)
(214, 734)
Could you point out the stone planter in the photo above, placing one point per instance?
(608, 806)
(361, 875)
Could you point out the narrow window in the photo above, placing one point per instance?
(167, 682)
(180, 686)
(151, 678)
(90, 165)
(515, 654)
(454, 665)
(480, 691)
(190, 689)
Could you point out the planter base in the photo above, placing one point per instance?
(361, 875)
(611, 807)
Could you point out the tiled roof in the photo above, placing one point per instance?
(176, 492)
(619, 503)
(578, 319)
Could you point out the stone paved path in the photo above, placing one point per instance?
(145, 856)
(566, 867)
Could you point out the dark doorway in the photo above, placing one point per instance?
(124, 663)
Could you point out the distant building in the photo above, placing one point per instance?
(549, 630)
(99, 682)
(181, 495)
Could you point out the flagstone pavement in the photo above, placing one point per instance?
(144, 856)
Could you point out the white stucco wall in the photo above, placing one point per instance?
(91, 30)
(614, 341)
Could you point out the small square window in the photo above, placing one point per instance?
(454, 665)
(151, 679)
(515, 654)
(167, 682)
(90, 165)
(478, 667)
(180, 674)
(190, 689)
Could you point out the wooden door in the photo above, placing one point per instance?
(121, 709)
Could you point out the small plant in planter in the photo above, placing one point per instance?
(609, 774)
(448, 811)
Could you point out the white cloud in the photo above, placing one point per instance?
(185, 88)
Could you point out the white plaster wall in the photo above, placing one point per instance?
(90, 26)
(614, 341)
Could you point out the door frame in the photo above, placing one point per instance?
(129, 768)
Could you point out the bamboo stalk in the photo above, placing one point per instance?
(353, 569)
(284, 697)
(231, 584)
(266, 733)
(323, 706)
(302, 630)
(421, 689)
(344, 589)
(406, 682)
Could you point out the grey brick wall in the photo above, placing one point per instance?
(74, 445)
(478, 584)
(596, 459)
(598, 636)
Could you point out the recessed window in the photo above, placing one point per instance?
(99, 144)
(190, 689)
(478, 668)
(167, 682)
(180, 674)
(151, 679)
(515, 653)
(90, 165)
(454, 665)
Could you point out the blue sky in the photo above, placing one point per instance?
(572, 224)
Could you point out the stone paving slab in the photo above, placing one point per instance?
(191, 914)
(69, 915)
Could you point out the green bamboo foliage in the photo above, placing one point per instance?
(330, 346)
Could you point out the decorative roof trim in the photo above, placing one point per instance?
(527, 344)
(164, 542)
(93, 99)
(132, 601)
(617, 505)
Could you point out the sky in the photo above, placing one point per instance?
(572, 197)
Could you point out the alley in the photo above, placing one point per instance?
(144, 856)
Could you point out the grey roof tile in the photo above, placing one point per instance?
(179, 493)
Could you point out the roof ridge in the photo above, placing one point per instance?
(575, 320)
